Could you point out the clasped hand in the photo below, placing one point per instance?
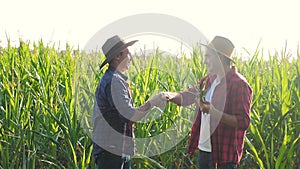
(204, 106)
(158, 101)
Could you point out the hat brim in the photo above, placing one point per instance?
(107, 60)
(223, 54)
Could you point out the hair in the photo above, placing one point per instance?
(225, 60)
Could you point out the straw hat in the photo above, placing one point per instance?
(113, 46)
(222, 46)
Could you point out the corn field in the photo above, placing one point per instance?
(46, 103)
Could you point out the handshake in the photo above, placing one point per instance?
(160, 100)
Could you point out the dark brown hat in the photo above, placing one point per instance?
(113, 46)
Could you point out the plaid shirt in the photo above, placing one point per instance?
(232, 96)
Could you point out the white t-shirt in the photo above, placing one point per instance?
(204, 143)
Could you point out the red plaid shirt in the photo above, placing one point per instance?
(232, 96)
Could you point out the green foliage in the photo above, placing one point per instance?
(273, 138)
(46, 103)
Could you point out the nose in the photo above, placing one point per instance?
(130, 56)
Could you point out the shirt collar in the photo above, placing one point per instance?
(227, 77)
(114, 70)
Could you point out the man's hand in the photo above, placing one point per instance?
(158, 101)
(168, 95)
(204, 106)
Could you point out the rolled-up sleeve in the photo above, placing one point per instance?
(188, 97)
(121, 99)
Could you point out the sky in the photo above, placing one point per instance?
(273, 23)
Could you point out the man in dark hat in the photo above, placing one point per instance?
(114, 113)
(223, 116)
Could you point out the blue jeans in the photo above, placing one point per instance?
(107, 160)
(205, 160)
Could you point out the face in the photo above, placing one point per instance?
(125, 58)
(212, 61)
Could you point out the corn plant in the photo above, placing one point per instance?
(46, 103)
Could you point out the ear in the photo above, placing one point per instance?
(117, 57)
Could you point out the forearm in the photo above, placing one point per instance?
(141, 111)
(177, 99)
(224, 117)
(185, 98)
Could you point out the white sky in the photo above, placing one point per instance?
(244, 22)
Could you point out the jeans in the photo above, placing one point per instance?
(205, 160)
(228, 166)
(107, 160)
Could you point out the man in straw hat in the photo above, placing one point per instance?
(223, 117)
(114, 113)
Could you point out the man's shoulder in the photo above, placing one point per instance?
(106, 79)
(238, 79)
(112, 79)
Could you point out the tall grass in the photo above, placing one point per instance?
(39, 126)
(46, 102)
(273, 138)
